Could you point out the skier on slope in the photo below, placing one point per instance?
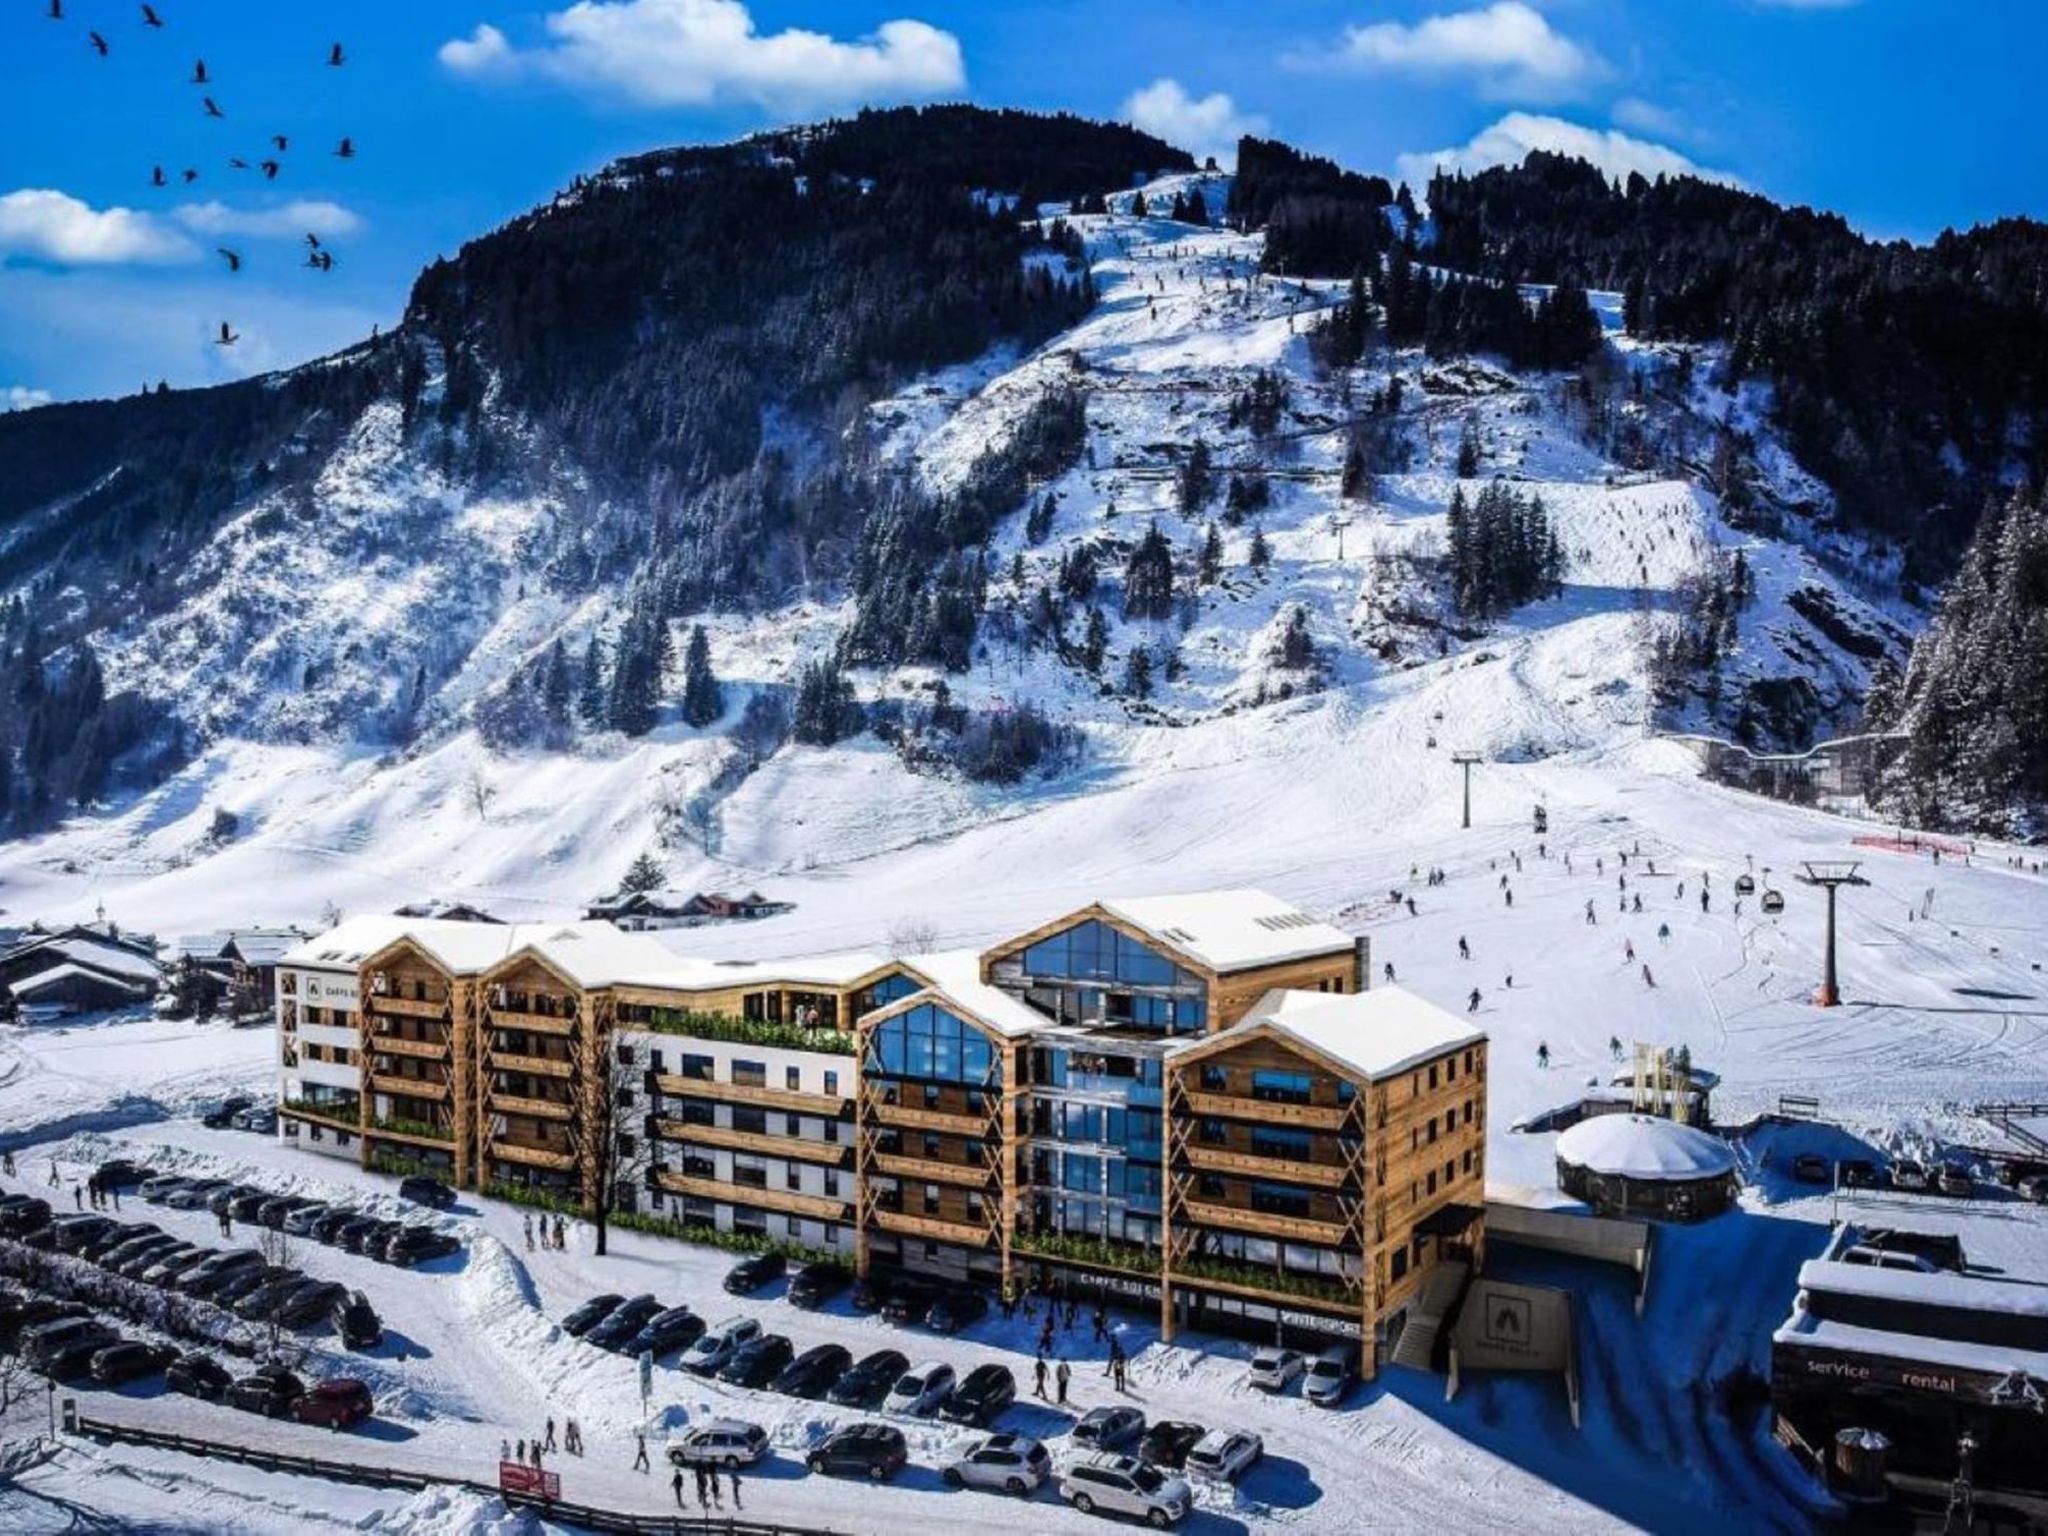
(1472, 1004)
(1648, 979)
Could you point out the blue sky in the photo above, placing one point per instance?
(1908, 116)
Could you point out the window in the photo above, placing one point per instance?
(832, 1182)
(1271, 1141)
(832, 1085)
(832, 1131)
(1432, 1182)
(753, 1121)
(794, 1226)
(1282, 1087)
(1280, 1199)
(698, 1067)
(1399, 1265)
(1468, 1111)
(931, 1199)
(750, 1171)
(792, 1079)
(1215, 1079)
(1430, 1128)
(749, 1074)
(931, 1145)
(929, 1043)
(1211, 1186)
(1432, 1074)
(1451, 1070)
(1450, 1170)
(792, 1177)
(793, 1125)
(1215, 1133)
(625, 1052)
(1094, 951)
(1468, 1160)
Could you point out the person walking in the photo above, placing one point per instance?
(676, 1483)
(572, 1438)
(522, 1449)
(526, 1223)
(551, 1432)
(561, 1240)
(1038, 1377)
(734, 1474)
(1542, 1054)
(1388, 968)
(639, 1452)
(77, 1195)
(1648, 979)
(1464, 949)
(1628, 951)
(7, 1164)
(54, 1180)
(1062, 1376)
(504, 1450)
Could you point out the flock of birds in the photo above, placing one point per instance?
(318, 257)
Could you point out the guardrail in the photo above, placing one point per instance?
(2003, 1115)
(589, 1516)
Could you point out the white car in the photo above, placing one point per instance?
(713, 1349)
(1330, 1376)
(920, 1390)
(1013, 1464)
(720, 1443)
(1124, 1485)
(1274, 1370)
(162, 1187)
(1225, 1454)
(193, 1194)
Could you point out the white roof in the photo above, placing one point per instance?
(27, 988)
(349, 942)
(1230, 930)
(98, 955)
(1825, 1333)
(956, 975)
(1942, 1288)
(1644, 1147)
(1380, 1033)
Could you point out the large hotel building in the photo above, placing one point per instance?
(1191, 1101)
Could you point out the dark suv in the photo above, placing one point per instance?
(813, 1371)
(272, 1392)
(981, 1397)
(874, 1451)
(356, 1322)
(758, 1361)
(749, 1275)
(425, 1191)
(812, 1285)
(868, 1383)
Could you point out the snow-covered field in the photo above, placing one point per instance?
(1336, 800)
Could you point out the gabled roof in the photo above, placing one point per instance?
(80, 946)
(1376, 1034)
(1229, 930)
(260, 946)
(28, 987)
(955, 978)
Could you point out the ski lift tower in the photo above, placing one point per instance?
(1467, 761)
(1830, 877)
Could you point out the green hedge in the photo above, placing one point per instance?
(406, 1126)
(539, 1199)
(1104, 1252)
(406, 1167)
(1286, 1281)
(724, 1027)
(713, 1237)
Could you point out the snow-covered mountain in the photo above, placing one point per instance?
(326, 646)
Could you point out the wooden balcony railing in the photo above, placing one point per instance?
(971, 1234)
(532, 1023)
(411, 1007)
(788, 1201)
(539, 1109)
(1252, 1165)
(532, 1066)
(1300, 1229)
(1320, 1117)
(961, 1123)
(409, 1087)
(785, 1099)
(831, 1154)
(929, 1170)
(398, 1045)
(535, 1157)
(343, 1117)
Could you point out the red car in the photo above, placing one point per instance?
(339, 1404)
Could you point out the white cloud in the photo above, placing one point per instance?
(17, 397)
(1647, 117)
(1509, 141)
(56, 227)
(687, 53)
(290, 219)
(1207, 125)
(1508, 47)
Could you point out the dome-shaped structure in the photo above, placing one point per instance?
(1643, 1165)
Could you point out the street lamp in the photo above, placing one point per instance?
(1466, 760)
(1830, 877)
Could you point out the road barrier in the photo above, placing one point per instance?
(590, 1516)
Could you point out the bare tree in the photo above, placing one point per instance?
(481, 793)
(607, 1134)
(912, 936)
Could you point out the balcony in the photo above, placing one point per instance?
(539, 1109)
(419, 1133)
(531, 1156)
(532, 1066)
(398, 1045)
(789, 1202)
(902, 1223)
(343, 1117)
(1298, 1229)
(918, 1119)
(786, 1099)
(410, 1007)
(929, 1170)
(533, 1023)
(409, 1087)
(1317, 1117)
(831, 1154)
(1252, 1165)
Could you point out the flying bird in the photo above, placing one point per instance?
(270, 170)
(190, 175)
(347, 149)
(334, 58)
(156, 177)
(199, 75)
(56, 10)
(212, 108)
(312, 240)
(150, 17)
(321, 261)
(237, 163)
(226, 338)
(233, 258)
(281, 141)
(99, 44)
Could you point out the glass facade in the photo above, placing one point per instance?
(930, 1044)
(1080, 975)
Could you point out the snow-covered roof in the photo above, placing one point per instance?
(1378, 1034)
(1229, 930)
(1645, 1147)
(956, 975)
(95, 954)
(260, 946)
(28, 987)
(350, 942)
(1941, 1288)
(1826, 1333)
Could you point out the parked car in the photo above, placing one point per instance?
(590, 1314)
(873, 1451)
(920, 1390)
(212, 1272)
(1908, 1174)
(364, 1235)
(261, 1305)
(1857, 1173)
(223, 1114)
(273, 1212)
(172, 1268)
(30, 1312)
(758, 1361)
(301, 1221)
(270, 1391)
(199, 1376)
(330, 1222)
(1226, 1454)
(871, 1293)
(1956, 1180)
(65, 1345)
(982, 1396)
(812, 1373)
(1274, 1370)
(356, 1322)
(194, 1193)
(1013, 1464)
(260, 1118)
(147, 1257)
(341, 1402)
(129, 1361)
(223, 1200)
(867, 1384)
(2034, 1187)
(750, 1274)
(720, 1443)
(711, 1351)
(419, 1245)
(666, 1332)
(1109, 1429)
(130, 1249)
(124, 1173)
(308, 1302)
(243, 1281)
(24, 1217)
(162, 1187)
(1123, 1485)
(1167, 1443)
(622, 1322)
(1812, 1168)
(2014, 1171)
(118, 1235)
(73, 1232)
(815, 1284)
(909, 1301)
(1330, 1376)
(422, 1190)
(246, 1204)
(955, 1310)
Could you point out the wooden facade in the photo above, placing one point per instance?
(417, 1023)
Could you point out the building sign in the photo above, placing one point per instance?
(330, 989)
(1994, 1389)
(1507, 1327)
(518, 1477)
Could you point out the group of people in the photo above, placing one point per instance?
(102, 1194)
(708, 1496)
(555, 1235)
(530, 1452)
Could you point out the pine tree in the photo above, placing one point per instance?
(1138, 673)
(1468, 451)
(556, 694)
(1148, 578)
(1211, 564)
(1197, 481)
(590, 693)
(703, 697)
(826, 709)
(1038, 521)
(1261, 556)
(1095, 640)
(643, 874)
